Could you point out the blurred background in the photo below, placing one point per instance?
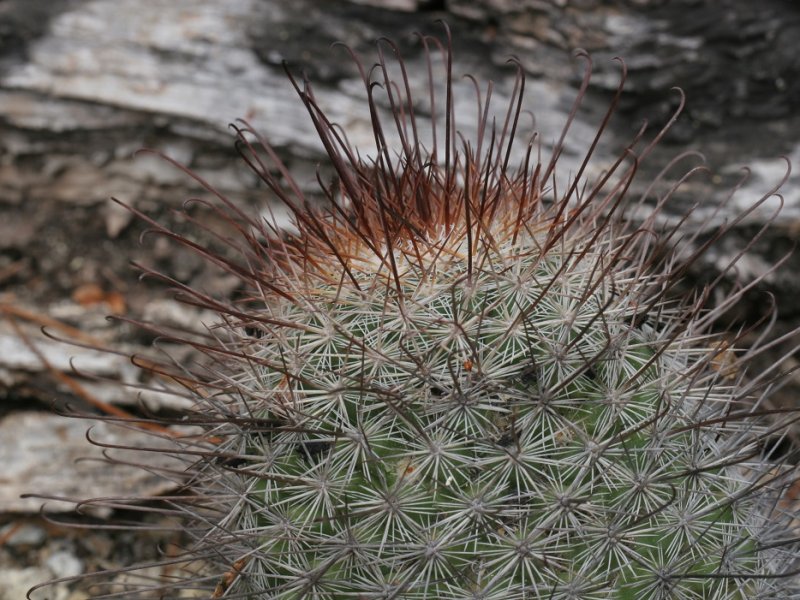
(84, 84)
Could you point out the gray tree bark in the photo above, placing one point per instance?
(84, 84)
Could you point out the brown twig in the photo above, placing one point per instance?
(26, 315)
(71, 383)
(9, 533)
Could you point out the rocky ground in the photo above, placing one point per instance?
(86, 83)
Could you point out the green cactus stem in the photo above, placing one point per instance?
(463, 379)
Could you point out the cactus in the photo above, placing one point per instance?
(467, 380)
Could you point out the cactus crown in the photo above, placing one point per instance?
(461, 379)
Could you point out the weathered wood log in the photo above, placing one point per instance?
(84, 84)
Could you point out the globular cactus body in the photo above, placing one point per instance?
(457, 383)
(501, 432)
